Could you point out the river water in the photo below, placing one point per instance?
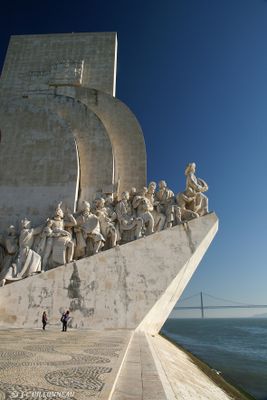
(235, 346)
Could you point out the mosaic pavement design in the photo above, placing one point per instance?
(73, 365)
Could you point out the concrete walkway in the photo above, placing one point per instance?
(155, 369)
(139, 377)
(181, 378)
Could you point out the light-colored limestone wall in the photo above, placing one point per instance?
(165, 304)
(117, 288)
(94, 146)
(38, 168)
(124, 132)
(31, 60)
(39, 151)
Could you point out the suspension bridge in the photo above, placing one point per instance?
(204, 305)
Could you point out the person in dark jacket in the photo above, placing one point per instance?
(64, 319)
(44, 320)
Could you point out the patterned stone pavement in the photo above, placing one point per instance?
(51, 364)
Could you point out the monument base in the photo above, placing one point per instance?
(133, 286)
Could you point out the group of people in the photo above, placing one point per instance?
(109, 222)
(65, 317)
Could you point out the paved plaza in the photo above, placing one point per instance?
(51, 364)
(103, 365)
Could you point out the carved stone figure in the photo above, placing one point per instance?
(9, 253)
(28, 262)
(2, 254)
(89, 239)
(166, 200)
(110, 208)
(69, 222)
(107, 226)
(44, 236)
(159, 217)
(185, 201)
(132, 194)
(59, 248)
(200, 204)
(143, 210)
(130, 226)
(44, 245)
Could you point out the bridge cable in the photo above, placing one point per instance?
(187, 298)
(229, 301)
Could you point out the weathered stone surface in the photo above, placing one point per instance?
(36, 62)
(64, 136)
(124, 131)
(132, 286)
(180, 377)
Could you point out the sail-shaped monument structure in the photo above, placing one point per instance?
(71, 157)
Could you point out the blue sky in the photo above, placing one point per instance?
(195, 74)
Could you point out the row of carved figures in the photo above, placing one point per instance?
(106, 224)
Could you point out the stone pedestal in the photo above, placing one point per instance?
(133, 286)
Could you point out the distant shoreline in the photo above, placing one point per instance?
(228, 388)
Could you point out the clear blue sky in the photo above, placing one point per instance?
(195, 74)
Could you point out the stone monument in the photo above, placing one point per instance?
(79, 228)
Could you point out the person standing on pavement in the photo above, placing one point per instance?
(44, 320)
(64, 319)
